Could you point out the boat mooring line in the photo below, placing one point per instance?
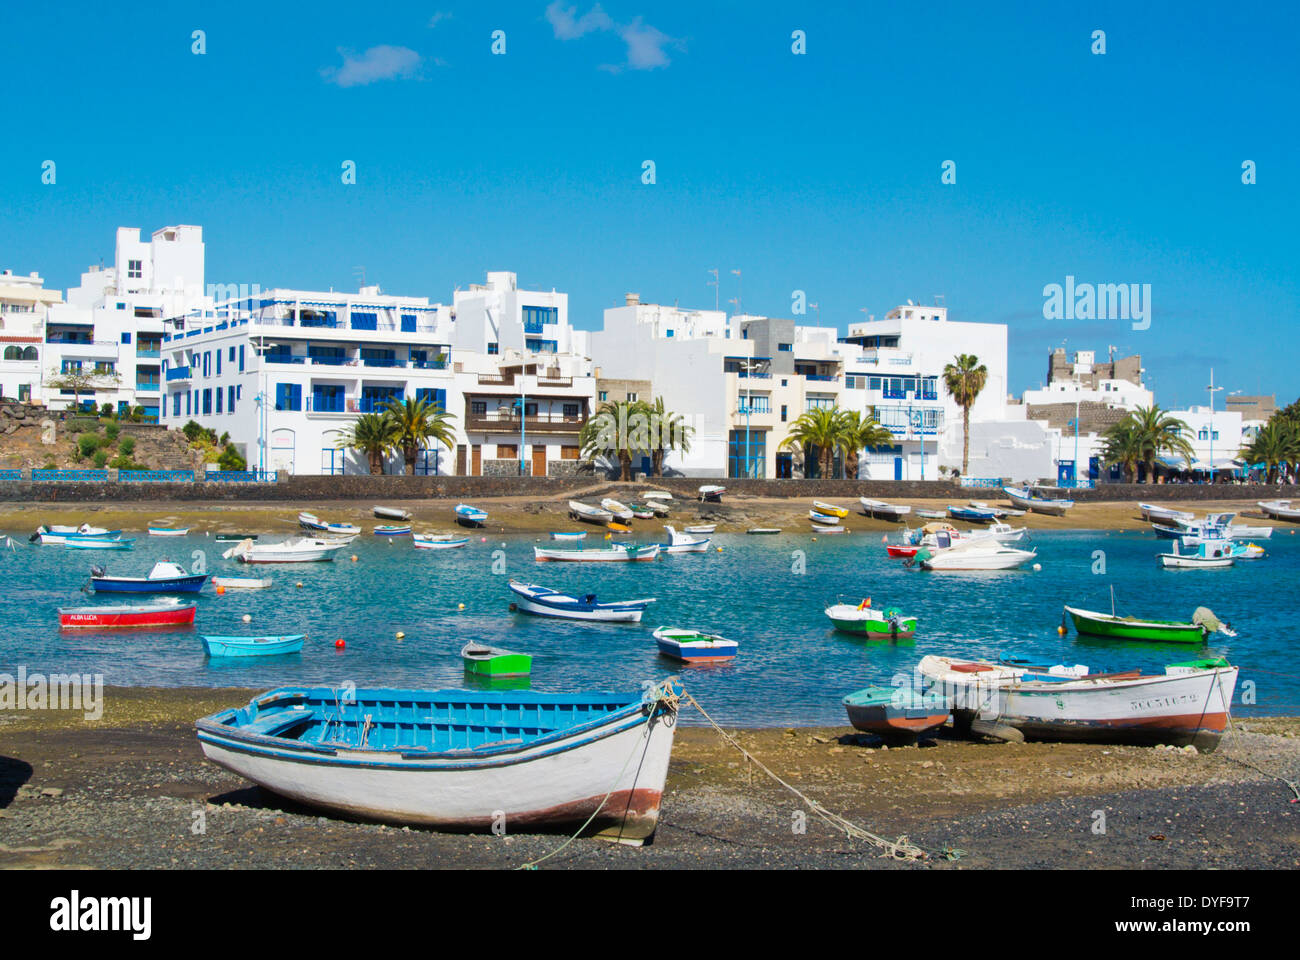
(1292, 784)
(900, 849)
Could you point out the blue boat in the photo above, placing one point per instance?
(972, 514)
(468, 516)
(459, 759)
(545, 602)
(252, 646)
(165, 577)
(100, 543)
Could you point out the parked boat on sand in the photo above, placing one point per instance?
(312, 523)
(897, 714)
(1030, 499)
(881, 510)
(468, 516)
(392, 513)
(584, 511)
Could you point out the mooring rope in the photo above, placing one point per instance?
(1236, 744)
(900, 849)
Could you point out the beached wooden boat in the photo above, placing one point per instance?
(658, 508)
(711, 492)
(823, 519)
(545, 602)
(615, 553)
(932, 514)
(691, 646)
(830, 509)
(1093, 623)
(100, 543)
(242, 583)
(438, 541)
(1031, 500)
(862, 618)
(1280, 510)
(292, 550)
(585, 511)
(701, 528)
(881, 510)
(972, 514)
(641, 512)
(458, 760)
(568, 535)
(1187, 703)
(392, 530)
(468, 516)
(252, 646)
(835, 529)
(898, 714)
(684, 542)
(485, 661)
(763, 531)
(168, 531)
(165, 612)
(312, 523)
(164, 577)
(392, 513)
(616, 509)
(656, 495)
(1158, 514)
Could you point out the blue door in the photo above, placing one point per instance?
(898, 468)
(1065, 473)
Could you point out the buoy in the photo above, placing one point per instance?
(246, 618)
(814, 539)
(339, 644)
(220, 590)
(482, 539)
(401, 635)
(884, 538)
(298, 584)
(460, 606)
(719, 549)
(1060, 630)
(1037, 567)
(354, 558)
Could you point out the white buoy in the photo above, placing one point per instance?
(246, 618)
(1037, 567)
(401, 635)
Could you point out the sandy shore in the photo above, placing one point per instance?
(127, 791)
(523, 515)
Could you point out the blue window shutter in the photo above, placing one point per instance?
(126, 336)
(241, 358)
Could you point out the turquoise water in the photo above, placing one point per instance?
(767, 592)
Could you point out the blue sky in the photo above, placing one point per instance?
(818, 172)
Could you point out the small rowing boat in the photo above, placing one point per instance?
(711, 492)
(392, 513)
(568, 535)
(168, 531)
(641, 512)
(830, 509)
(656, 495)
(932, 514)
(584, 511)
(545, 602)
(484, 661)
(863, 619)
(242, 583)
(252, 646)
(438, 541)
(701, 528)
(972, 514)
(468, 516)
(56, 534)
(312, 523)
(100, 543)
(615, 553)
(164, 577)
(898, 714)
(392, 530)
(616, 509)
(683, 543)
(763, 531)
(1033, 501)
(617, 527)
(881, 510)
(691, 646)
(1158, 514)
(834, 529)
(824, 519)
(164, 612)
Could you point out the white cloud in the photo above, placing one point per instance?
(378, 63)
(645, 44)
(438, 16)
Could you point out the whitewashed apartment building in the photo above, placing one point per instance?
(24, 303)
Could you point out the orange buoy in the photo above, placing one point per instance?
(339, 644)
(220, 590)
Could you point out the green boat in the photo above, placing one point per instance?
(865, 620)
(484, 661)
(1203, 623)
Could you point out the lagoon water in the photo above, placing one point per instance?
(768, 592)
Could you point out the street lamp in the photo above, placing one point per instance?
(1212, 391)
(522, 404)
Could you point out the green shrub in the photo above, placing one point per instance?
(191, 431)
(111, 431)
(88, 443)
(101, 458)
(123, 462)
(231, 459)
(50, 465)
(126, 445)
(81, 424)
(107, 412)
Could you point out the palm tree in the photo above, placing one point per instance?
(373, 434)
(616, 429)
(821, 428)
(964, 380)
(861, 433)
(668, 431)
(1276, 445)
(1122, 446)
(1155, 431)
(415, 423)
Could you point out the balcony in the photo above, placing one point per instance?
(178, 373)
(146, 386)
(508, 422)
(154, 354)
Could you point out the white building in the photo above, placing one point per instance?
(1216, 437)
(24, 303)
(112, 324)
(318, 360)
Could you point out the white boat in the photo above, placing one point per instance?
(882, 510)
(656, 495)
(966, 554)
(585, 511)
(438, 541)
(1158, 514)
(701, 528)
(683, 543)
(835, 529)
(168, 531)
(1028, 499)
(293, 550)
(615, 553)
(1209, 554)
(1001, 532)
(569, 535)
(617, 510)
(60, 535)
(1280, 510)
(1188, 703)
(456, 759)
(545, 602)
(823, 518)
(242, 583)
(309, 521)
(392, 513)
(711, 491)
(470, 516)
(1246, 531)
(85, 529)
(658, 507)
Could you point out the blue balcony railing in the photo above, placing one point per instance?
(178, 373)
(240, 476)
(11, 475)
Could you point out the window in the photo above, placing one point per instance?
(241, 358)
(432, 395)
(530, 409)
(207, 400)
(571, 411)
(783, 413)
(478, 408)
(288, 396)
(230, 399)
(219, 410)
(176, 404)
(126, 336)
(785, 347)
(631, 398)
(327, 397)
(207, 363)
(536, 317)
(494, 348)
(568, 453)
(408, 323)
(507, 451)
(604, 395)
(758, 404)
(134, 269)
(218, 362)
(188, 398)
(537, 345)
(365, 321)
(232, 353)
(821, 403)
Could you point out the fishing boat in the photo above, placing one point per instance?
(711, 492)
(312, 523)
(881, 510)
(459, 760)
(1280, 510)
(392, 513)
(972, 514)
(999, 531)
(164, 612)
(545, 602)
(438, 541)
(691, 646)
(1209, 554)
(823, 518)
(1187, 703)
(583, 511)
(1158, 514)
(863, 618)
(228, 537)
(932, 514)
(84, 529)
(392, 530)
(683, 542)
(616, 509)
(1202, 624)
(62, 535)
(168, 531)
(292, 550)
(164, 577)
(641, 512)
(252, 646)
(615, 553)
(656, 495)
(966, 555)
(1029, 499)
(701, 528)
(242, 583)
(100, 543)
(898, 714)
(830, 509)
(568, 535)
(485, 661)
(658, 508)
(468, 516)
(1247, 551)
(763, 531)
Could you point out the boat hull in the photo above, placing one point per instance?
(252, 646)
(596, 556)
(1102, 625)
(897, 715)
(571, 608)
(126, 617)
(191, 584)
(425, 543)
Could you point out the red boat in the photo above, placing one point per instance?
(901, 550)
(161, 614)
